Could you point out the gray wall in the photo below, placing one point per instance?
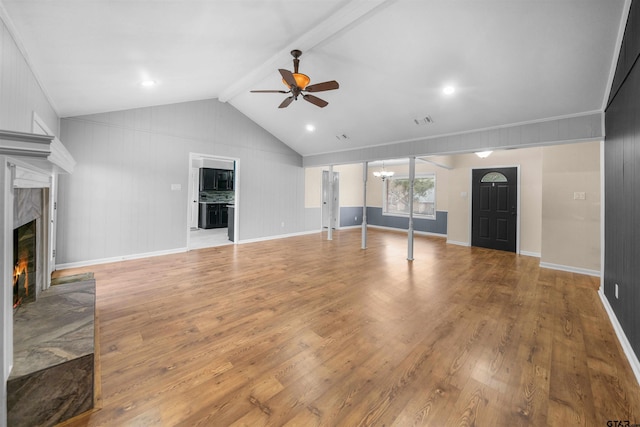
(20, 97)
(20, 93)
(622, 181)
(584, 128)
(119, 201)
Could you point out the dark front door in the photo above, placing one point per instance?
(494, 208)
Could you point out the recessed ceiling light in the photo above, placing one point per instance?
(448, 90)
(310, 128)
(148, 83)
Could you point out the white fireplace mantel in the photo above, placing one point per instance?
(44, 153)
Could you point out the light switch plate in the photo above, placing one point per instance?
(176, 187)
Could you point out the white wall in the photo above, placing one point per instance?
(119, 202)
(563, 232)
(350, 185)
(530, 162)
(20, 97)
(571, 227)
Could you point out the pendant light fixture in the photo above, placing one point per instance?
(383, 174)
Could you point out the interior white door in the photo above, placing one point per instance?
(325, 199)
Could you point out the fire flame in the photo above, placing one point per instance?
(22, 268)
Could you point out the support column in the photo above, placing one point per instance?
(365, 175)
(412, 175)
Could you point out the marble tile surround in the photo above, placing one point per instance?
(27, 205)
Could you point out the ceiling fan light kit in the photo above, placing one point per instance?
(302, 80)
(298, 83)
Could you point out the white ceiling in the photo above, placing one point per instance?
(511, 61)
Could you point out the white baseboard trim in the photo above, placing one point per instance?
(570, 269)
(402, 230)
(278, 236)
(533, 254)
(454, 242)
(622, 338)
(167, 252)
(349, 227)
(118, 258)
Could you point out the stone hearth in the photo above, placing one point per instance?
(52, 377)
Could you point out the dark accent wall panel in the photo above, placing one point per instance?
(622, 187)
(629, 50)
(438, 225)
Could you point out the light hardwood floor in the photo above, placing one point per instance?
(303, 331)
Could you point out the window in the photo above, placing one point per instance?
(494, 177)
(396, 196)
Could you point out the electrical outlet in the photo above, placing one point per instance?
(282, 224)
(355, 218)
(616, 291)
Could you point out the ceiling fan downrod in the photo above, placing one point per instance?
(296, 54)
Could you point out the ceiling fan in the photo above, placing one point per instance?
(297, 84)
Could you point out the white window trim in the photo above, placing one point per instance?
(415, 215)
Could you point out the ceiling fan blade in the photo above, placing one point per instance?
(270, 91)
(315, 100)
(286, 102)
(288, 77)
(319, 87)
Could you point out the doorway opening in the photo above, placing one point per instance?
(212, 218)
(495, 208)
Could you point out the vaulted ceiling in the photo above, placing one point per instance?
(509, 61)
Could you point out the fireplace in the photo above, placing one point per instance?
(29, 167)
(24, 261)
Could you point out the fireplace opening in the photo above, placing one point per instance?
(24, 262)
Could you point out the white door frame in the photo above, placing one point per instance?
(193, 197)
(236, 180)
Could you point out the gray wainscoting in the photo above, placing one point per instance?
(352, 216)
(436, 226)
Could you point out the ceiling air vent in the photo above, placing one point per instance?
(426, 120)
